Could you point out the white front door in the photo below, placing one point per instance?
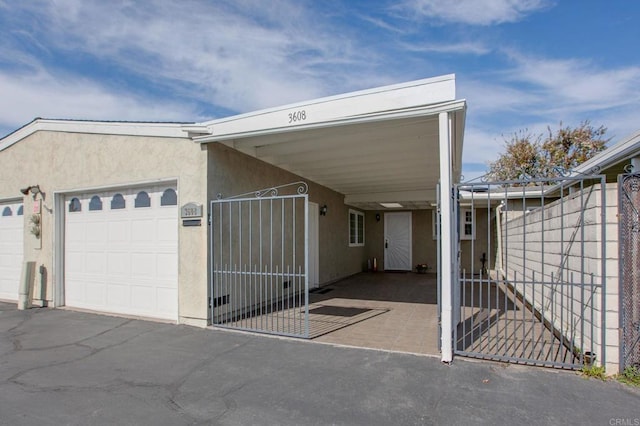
(11, 249)
(314, 258)
(397, 241)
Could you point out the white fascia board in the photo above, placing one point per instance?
(396, 97)
(459, 105)
(169, 130)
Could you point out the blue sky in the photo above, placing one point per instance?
(520, 64)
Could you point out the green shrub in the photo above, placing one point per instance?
(630, 376)
(594, 371)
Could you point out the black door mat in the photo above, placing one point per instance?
(338, 311)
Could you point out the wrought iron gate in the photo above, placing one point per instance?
(629, 246)
(531, 261)
(259, 261)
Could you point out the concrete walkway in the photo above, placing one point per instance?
(63, 367)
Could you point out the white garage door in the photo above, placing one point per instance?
(11, 249)
(121, 252)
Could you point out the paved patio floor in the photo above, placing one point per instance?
(392, 311)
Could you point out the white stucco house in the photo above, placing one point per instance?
(230, 219)
(113, 216)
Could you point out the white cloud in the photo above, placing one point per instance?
(474, 48)
(42, 95)
(491, 96)
(577, 85)
(239, 55)
(476, 12)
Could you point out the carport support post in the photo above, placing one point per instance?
(446, 232)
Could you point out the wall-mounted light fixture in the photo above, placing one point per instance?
(34, 189)
(323, 210)
(378, 217)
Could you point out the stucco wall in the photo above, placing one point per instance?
(60, 161)
(232, 172)
(552, 246)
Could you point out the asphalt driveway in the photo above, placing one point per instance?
(62, 367)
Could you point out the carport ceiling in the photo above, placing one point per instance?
(374, 146)
(383, 161)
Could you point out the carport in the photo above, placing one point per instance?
(387, 149)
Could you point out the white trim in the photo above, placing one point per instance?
(169, 130)
(58, 248)
(112, 187)
(357, 213)
(451, 106)
(333, 99)
(446, 207)
(12, 200)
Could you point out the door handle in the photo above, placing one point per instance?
(386, 244)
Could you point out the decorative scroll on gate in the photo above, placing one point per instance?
(629, 241)
(259, 261)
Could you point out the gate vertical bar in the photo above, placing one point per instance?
(603, 282)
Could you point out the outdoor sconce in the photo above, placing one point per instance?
(34, 189)
(377, 217)
(323, 210)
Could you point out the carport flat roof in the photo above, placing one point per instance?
(373, 146)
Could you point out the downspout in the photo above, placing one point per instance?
(499, 235)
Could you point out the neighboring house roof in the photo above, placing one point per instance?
(132, 128)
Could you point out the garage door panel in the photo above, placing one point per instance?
(95, 263)
(166, 230)
(96, 233)
(11, 249)
(119, 231)
(96, 294)
(77, 296)
(143, 265)
(75, 232)
(167, 267)
(118, 295)
(118, 264)
(166, 299)
(143, 297)
(130, 254)
(74, 262)
(142, 231)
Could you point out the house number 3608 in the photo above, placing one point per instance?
(296, 116)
